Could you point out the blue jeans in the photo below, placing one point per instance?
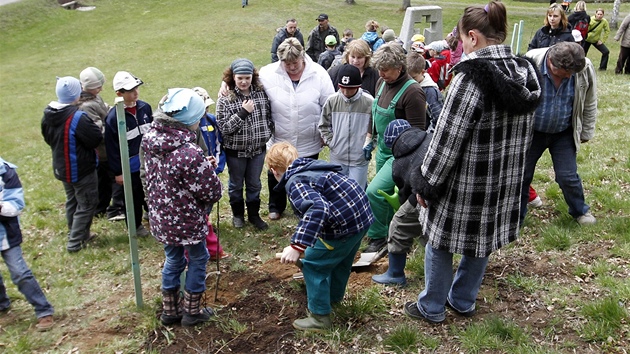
(357, 173)
(439, 287)
(175, 265)
(81, 202)
(23, 278)
(564, 156)
(244, 170)
(326, 272)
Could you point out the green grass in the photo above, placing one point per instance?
(189, 43)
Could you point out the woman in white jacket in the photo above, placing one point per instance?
(297, 89)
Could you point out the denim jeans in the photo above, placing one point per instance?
(244, 170)
(81, 202)
(440, 286)
(564, 156)
(175, 265)
(23, 278)
(383, 211)
(357, 173)
(326, 272)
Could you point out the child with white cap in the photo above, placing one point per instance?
(138, 118)
(92, 81)
(181, 185)
(73, 138)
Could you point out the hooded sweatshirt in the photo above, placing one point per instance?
(181, 183)
(72, 139)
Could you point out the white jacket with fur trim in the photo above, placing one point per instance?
(296, 111)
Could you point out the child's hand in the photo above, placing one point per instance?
(213, 161)
(289, 255)
(248, 105)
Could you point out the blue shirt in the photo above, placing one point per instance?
(555, 111)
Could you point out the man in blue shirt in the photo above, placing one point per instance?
(564, 119)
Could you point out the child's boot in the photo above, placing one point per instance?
(313, 322)
(238, 214)
(171, 311)
(395, 274)
(252, 215)
(194, 313)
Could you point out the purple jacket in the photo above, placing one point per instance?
(181, 183)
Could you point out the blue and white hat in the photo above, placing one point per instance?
(393, 130)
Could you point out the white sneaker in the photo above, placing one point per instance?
(586, 219)
(536, 203)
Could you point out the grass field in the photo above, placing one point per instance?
(560, 289)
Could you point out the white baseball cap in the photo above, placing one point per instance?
(126, 81)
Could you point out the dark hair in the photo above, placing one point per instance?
(490, 20)
(228, 78)
(568, 56)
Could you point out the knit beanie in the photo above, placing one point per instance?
(389, 35)
(393, 130)
(242, 66)
(184, 105)
(68, 89)
(91, 78)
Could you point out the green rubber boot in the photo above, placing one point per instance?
(313, 323)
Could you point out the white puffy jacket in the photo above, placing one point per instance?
(296, 111)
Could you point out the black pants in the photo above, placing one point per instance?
(623, 61)
(603, 64)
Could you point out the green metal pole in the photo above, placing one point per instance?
(521, 23)
(512, 41)
(131, 219)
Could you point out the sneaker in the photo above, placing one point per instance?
(223, 255)
(375, 245)
(45, 323)
(411, 310)
(586, 219)
(118, 217)
(141, 231)
(535, 203)
(464, 314)
(238, 222)
(274, 215)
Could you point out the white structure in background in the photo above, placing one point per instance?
(431, 15)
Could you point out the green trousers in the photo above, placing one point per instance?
(326, 271)
(383, 211)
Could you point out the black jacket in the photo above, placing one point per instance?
(546, 37)
(73, 142)
(409, 150)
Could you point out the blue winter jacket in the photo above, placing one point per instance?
(12, 201)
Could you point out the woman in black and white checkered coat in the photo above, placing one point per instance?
(469, 185)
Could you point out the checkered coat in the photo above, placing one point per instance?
(472, 174)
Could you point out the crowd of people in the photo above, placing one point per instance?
(459, 156)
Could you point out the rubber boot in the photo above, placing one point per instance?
(171, 311)
(238, 214)
(313, 322)
(194, 312)
(395, 274)
(253, 217)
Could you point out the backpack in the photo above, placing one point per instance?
(582, 26)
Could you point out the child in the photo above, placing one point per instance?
(334, 216)
(439, 55)
(416, 66)
(244, 118)
(73, 138)
(348, 36)
(213, 140)
(371, 35)
(138, 116)
(11, 205)
(345, 123)
(326, 58)
(92, 81)
(181, 186)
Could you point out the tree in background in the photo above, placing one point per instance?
(615, 14)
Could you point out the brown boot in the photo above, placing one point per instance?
(171, 311)
(194, 312)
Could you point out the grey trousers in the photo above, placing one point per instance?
(403, 228)
(81, 202)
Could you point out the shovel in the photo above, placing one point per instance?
(368, 258)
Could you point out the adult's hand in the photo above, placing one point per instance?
(248, 105)
(119, 179)
(289, 255)
(223, 90)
